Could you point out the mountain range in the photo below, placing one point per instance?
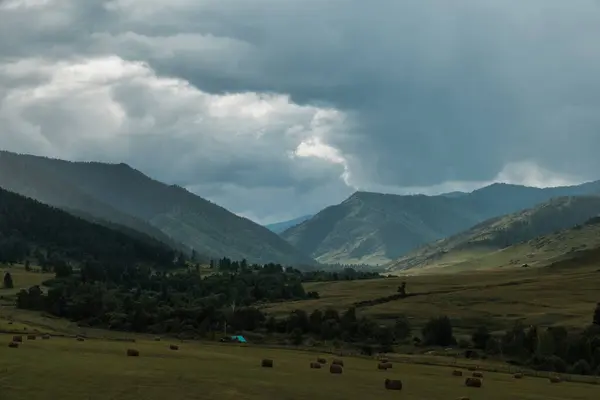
(399, 231)
(375, 229)
(119, 194)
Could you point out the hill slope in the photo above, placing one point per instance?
(466, 248)
(279, 227)
(374, 228)
(32, 230)
(120, 194)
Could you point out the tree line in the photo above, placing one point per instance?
(553, 349)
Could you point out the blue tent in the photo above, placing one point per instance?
(240, 339)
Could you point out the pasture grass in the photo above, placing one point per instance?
(496, 298)
(62, 368)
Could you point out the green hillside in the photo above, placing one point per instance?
(556, 230)
(374, 228)
(122, 195)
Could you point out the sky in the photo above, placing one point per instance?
(278, 108)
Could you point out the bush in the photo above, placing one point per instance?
(438, 332)
(581, 367)
(481, 337)
(549, 363)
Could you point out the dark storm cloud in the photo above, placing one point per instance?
(432, 91)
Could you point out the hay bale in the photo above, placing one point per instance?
(336, 369)
(473, 382)
(472, 369)
(174, 347)
(393, 384)
(315, 365)
(381, 366)
(477, 375)
(388, 365)
(46, 336)
(457, 372)
(31, 337)
(518, 375)
(555, 379)
(80, 339)
(133, 353)
(157, 339)
(17, 339)
(13, 345)
(338, 362)
(266, 363)
(321, 361)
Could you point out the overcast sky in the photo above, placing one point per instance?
(277, 108)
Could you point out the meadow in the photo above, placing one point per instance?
(496, 298)
(63, 368)
(98, 368)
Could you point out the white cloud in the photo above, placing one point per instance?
(110, 109)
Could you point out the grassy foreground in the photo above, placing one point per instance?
(63, 368)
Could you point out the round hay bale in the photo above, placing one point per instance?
(388, 365)
(133, 353)
(31, 337)
(45, 337)
(17, 339)
(315, 365)
(477, 375)
(80, 339)
(337, 361)
(336, 369)
(518, 375)
(266, 363)
(321, 361)
(393, 384)
(173, 347)
(473, 382)
(381, 366)
(555, 379)
(457, 372)
(13, 345)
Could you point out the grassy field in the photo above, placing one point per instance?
(544, 296)
(65, 369)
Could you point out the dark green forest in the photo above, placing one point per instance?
(34, 232)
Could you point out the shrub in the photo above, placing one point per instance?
(481, 337)
(549, 363)
(438, 332)
(581, 367)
